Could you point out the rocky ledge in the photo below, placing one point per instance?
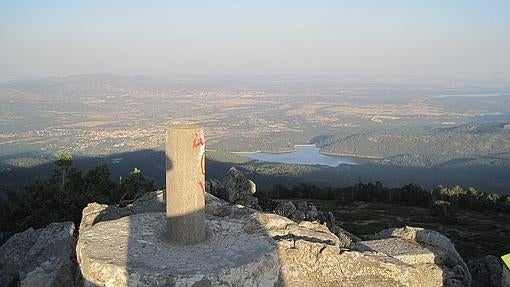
(297, 253)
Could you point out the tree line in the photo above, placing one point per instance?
(63, 196)
(410, 195)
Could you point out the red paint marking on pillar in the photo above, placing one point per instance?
(201, 183)
(198, 140)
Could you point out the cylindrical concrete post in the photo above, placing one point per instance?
(185, 183)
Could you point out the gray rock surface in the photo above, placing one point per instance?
(310, 255)
(479, 273)
(495, 269)
(133, 251)
(455, 269)
(285, 208)
(235, 188)
(298, 215)
(486, 271)
(505, 281)
(149, 202)
(95, 212)
(41, 257)
(13, 254)
(404, 250)
(296, 254)
(303, 210)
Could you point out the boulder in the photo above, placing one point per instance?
(42, 257)
(216, 188)
(300, 210)
(50, 260)
(505, 281)
(285, 208)
(235, 188)
(404, 250)
(236, 185)
(312, 214)
(13, 254)
(95, 212)
(14, 251)
(479, 273)
(495, 270)
(251, 187)
(249, 201)
(486, 271)
(303, 210)
(149, 202)
(346, 238)
(310, 255)
(455, 269)
(306, 211)
(298, 215)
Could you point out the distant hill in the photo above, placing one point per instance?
(485, 143)
(80, 85)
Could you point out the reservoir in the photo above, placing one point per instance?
(302, 155)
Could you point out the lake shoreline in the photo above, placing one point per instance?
(362, 157)
(350, 155)
(303, 154)
(272, 152)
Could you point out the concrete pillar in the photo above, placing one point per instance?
(185, 183)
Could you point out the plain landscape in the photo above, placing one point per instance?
(430, 133)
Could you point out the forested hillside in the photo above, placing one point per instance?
(484, 143)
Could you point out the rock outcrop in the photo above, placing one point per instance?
(305, 253)
(43, 257)
(95, 212)
(299, 211)
(235, 188)
(298, 246)
(307, 211)
(138, 253)
(456, 272)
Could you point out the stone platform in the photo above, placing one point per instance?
(127, 247)
(134, 251)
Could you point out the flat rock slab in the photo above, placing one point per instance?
(403, 250)
(134, 251)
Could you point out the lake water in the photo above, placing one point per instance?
(302, 155)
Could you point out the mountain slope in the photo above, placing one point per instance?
(428, 147)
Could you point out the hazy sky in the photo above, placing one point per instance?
(459, 39)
